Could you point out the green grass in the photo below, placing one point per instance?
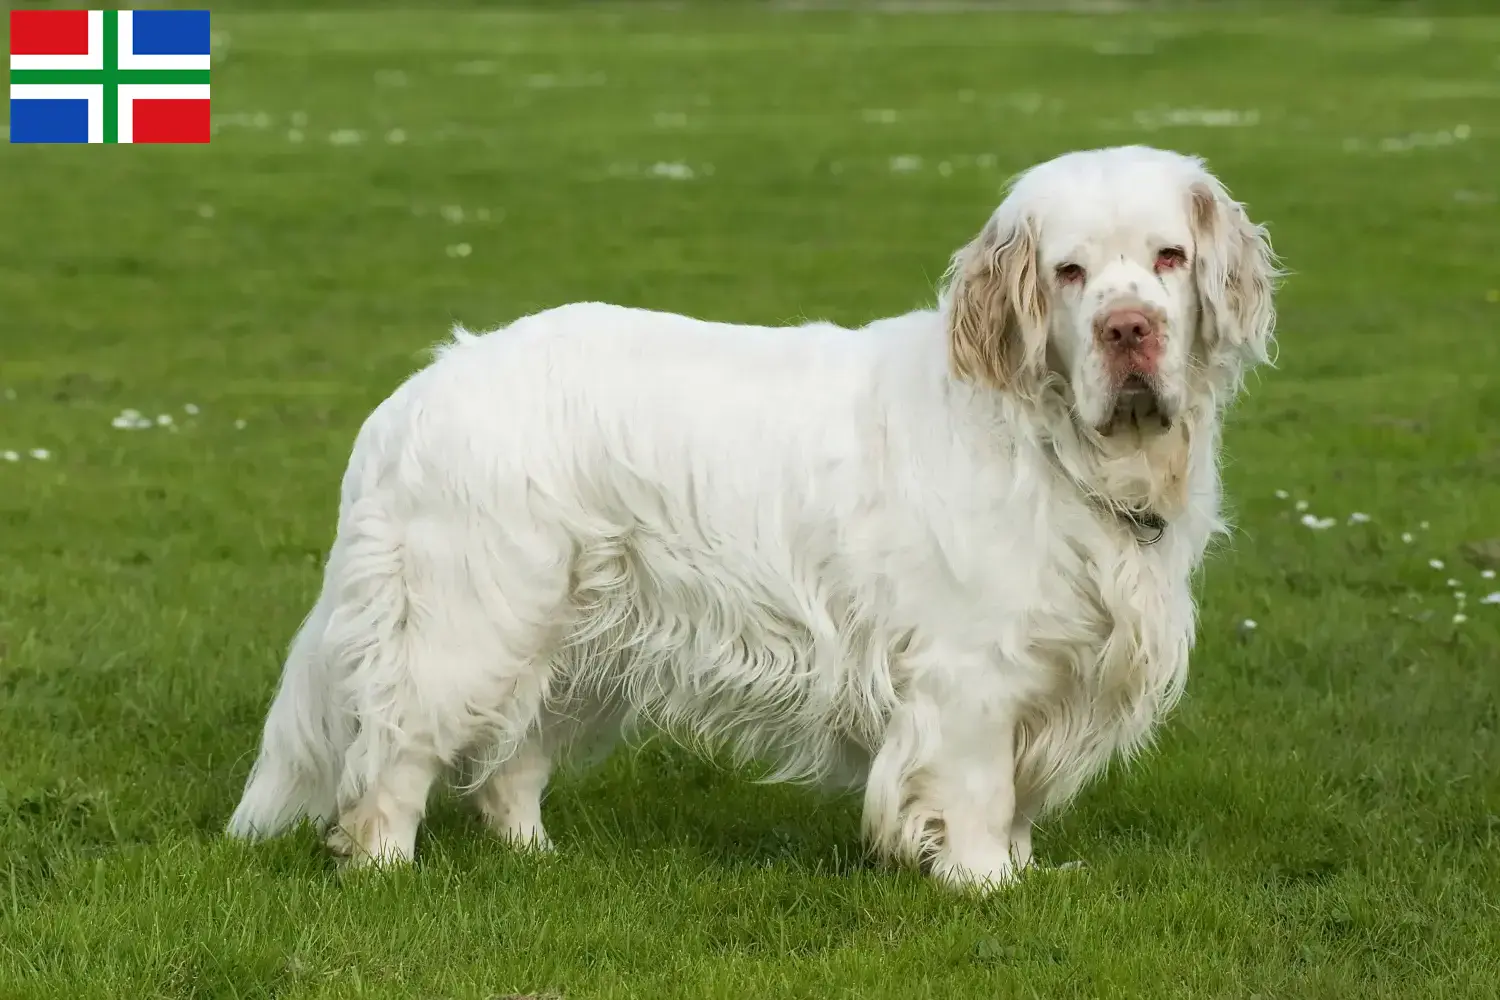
(1322, 815)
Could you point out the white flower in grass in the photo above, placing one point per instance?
(1317, 523)
(1301, 505)
(1491, 598)
(1452, 582)
(1460, 619)
(239, 425)
(905, 164)
(1406, 537)
(1282, 494)
(10, 456)
(1435, 563)
(672, 171)
(163, 419)
(1249, 625)
(131, 420)
(191, 409)
(1487, 574)
(1359, 518)
(41, 454)
(1424, 525)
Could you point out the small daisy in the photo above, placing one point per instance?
(1435, 563)
(1487, 574)
(191, 409)
(1406, 537)
(10, 456)
(41, 454)
(1282, 494)
(1460, 619)
(1301, 505)
(1359, 518)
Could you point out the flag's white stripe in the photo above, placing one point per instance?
(168, 91)
(129, 60)
(91, 92)
(94, 60)
(130, 92)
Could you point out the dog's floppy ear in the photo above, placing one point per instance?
(1236, 272)
(997, 320)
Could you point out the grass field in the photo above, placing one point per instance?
(1322, 815)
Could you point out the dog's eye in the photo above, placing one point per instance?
(1069, 273)
(1169, 257)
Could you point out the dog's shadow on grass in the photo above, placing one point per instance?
(664, 798)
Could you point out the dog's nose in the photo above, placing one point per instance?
(1126, 328)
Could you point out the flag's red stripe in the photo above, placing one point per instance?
(169, 120)
(49, 32)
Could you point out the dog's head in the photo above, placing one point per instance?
(1126, 277)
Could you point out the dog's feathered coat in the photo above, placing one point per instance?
(907, 555)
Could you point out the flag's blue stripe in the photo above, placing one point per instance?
(169, 32)
(49, 120)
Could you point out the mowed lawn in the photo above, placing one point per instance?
(1321, 817)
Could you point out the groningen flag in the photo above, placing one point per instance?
(109, 76)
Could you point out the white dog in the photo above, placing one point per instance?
(946, 556)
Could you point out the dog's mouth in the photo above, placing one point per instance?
(1138, 406)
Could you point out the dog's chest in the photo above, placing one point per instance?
(1110, 637)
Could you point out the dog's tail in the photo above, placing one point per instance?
(306, 736)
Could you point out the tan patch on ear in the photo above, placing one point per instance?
(997, 316)
(1237, 274)
(1205, 209)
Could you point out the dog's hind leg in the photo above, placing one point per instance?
(510, 798)
(448, 653)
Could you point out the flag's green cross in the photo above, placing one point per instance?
(111, 76)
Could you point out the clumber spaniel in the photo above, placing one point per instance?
(944, 557)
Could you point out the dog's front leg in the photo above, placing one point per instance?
(976, 792)
(941, 790)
